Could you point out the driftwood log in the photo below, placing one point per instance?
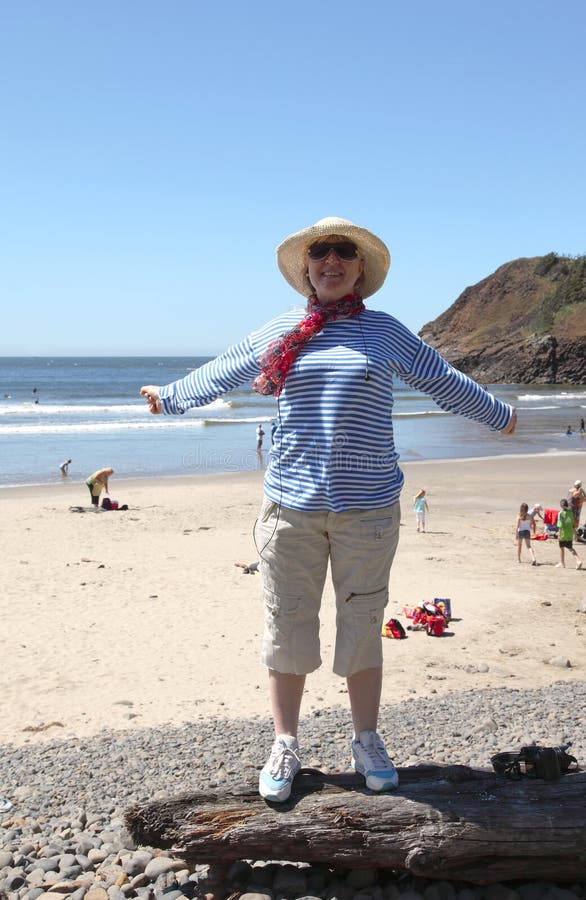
(448, 822)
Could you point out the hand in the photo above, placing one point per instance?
(510, 428)
(151, 393)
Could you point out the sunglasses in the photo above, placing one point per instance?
(345, 250)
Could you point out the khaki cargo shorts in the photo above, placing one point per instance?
(295, 548)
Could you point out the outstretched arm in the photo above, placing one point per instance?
(422, 367)
(151, 393)
(232, 369)
(510, 428)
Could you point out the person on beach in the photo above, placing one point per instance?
(566, 534)
(523, 532)
(98, 482)
(259, 436)
(64, 467)
(536, 512)
(332, 483)
(420, 507)
(576, 498)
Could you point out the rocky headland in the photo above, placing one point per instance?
(525, 323)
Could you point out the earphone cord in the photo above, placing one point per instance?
(366, 372)
(261, 550)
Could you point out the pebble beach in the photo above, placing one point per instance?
(116, 690)
(66, 834)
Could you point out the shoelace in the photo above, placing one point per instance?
(378, 757)
(282, 761)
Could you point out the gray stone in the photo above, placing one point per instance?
(556, 892)
(83, 862)
(124, 840)
(339, 890)
(115, 893)
(263, 874)
(70, 872)
(239, 873)
(51, 864)
(255, 896)
(562, 662)
(361, 878)
(84, 844)
(535, 890)
(487, 726)
(440, 890)
(6, 858)
(109, 849)
(500, 892)
(110, 873)
(139, 881)
(290, 880)
(36, 877)
(137, 862)
(34, 893)
(316, 880)
(98, 893)
(49, 850)
(97, 855)
(79, 894)
(469, 893)
(14, 881)
(391, 891)
(159, 865)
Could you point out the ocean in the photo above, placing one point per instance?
(88, 409)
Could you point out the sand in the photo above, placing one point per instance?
(140, 618)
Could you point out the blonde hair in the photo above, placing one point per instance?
(420, 493)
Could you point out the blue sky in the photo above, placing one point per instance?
(153, 154)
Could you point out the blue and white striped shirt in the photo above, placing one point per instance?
(334, 447)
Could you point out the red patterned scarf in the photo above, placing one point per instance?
(281, 353)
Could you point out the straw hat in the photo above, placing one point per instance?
(292, 261)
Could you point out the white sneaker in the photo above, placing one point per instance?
(280, 769)
(370, 758)
(5, 805)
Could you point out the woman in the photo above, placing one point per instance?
(98, 482)
(576, 498)
(332, 482)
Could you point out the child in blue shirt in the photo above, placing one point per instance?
(420, 507)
